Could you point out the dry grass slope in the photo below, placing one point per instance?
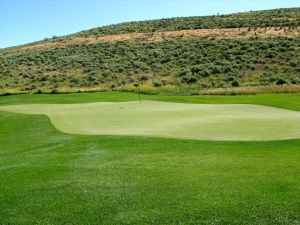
(221, 33)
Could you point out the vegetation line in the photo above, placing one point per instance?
(169, 90)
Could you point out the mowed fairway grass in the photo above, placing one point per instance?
(50, 177)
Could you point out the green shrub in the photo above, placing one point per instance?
(296, 80)
(157, 84)
(189, 79)
(235, 83)
(144, 78)
(281, 81)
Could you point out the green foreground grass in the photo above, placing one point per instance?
(52, 178)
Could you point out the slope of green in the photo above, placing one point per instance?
(236, 122)
(52, 178)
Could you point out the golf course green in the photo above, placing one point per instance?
(174, 120)
(53, 172)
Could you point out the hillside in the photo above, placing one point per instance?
(245, 49)
(267, 18)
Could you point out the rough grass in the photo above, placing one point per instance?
(272, 89)
(167, 90)
(52, 178)
(174, 120)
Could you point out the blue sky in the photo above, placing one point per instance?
(23, 21)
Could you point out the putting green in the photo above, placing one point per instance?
(238, 122)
